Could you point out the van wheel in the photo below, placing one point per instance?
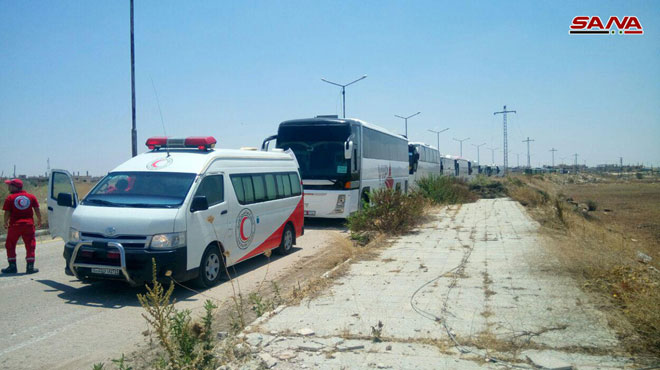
(287, 241)
(211, 267)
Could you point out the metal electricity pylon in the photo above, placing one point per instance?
(553, 150)
(506, 141)
(529, 165)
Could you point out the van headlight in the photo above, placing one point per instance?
(168, 241)
(74, 235)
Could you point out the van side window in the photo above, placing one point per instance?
(280, 186)
(271, 188)
(262, 187)
(248, 189)
(212, 187)
(259, 188)
(237, 182)
(295, 183)
(286, 182)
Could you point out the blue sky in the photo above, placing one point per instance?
(235, 69)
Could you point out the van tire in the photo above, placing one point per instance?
(288, 239)
(211, 268)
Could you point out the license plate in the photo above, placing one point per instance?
(105, 271)
(310, 213)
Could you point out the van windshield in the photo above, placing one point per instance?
(141, 190)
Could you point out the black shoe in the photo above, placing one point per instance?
(11, 269)
(30, 268)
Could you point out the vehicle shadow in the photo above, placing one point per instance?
(117, 294)
(325, 224)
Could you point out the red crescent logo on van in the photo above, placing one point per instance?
(241, 228)
(245, 228)
(159, 163)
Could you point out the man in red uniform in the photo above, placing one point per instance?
(19, 222)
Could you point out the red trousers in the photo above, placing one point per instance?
(27, 233)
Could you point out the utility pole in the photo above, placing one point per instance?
(14, 172)
(576, 164)
(492, 154)
(529, 165)
(343, 90)
(134, 129)
(406, 119)
(553, 150)
(620, 162)
(506, 141)
(478, 146)
(461, 141)
(437, 133)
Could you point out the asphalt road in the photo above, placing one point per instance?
(52, 321)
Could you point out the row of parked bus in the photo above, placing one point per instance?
(196, 210)
(342, 160)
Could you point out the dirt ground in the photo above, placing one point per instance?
(631, 208)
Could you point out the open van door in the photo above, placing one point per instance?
(62, 200)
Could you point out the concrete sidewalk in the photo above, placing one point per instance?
(472, 289)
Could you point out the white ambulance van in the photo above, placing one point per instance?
(192, 208)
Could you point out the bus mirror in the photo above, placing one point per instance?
(348, 149)
(199, 203)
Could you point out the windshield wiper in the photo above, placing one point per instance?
(150, 205)
(104, 202)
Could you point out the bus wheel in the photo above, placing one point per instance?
(287, 241)
(211, 267)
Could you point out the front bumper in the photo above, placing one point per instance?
(94, 259)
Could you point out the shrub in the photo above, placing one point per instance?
(591, 205)
(445, 190)
(639, 175)
(390, 212)
(188, 344)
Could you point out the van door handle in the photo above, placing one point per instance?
(223, 212)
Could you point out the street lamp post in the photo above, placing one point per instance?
(492, 154)
(478, 146)
(343, 90)
(461, 141)
(437, 133)
(406, 119)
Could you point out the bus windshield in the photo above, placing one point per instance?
(141, 190)
(319, 149)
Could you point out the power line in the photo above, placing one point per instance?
(506, 141)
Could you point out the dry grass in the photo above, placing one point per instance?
(40, 190)
(598, 249)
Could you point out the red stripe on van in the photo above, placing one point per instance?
(273, 241)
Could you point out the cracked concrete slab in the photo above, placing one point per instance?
(462, 292)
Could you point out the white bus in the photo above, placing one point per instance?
(424, 161)
(190, 207)
(342, 160)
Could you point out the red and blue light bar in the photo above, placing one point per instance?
(199, 142)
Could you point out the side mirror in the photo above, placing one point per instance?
(65, 200)
(199, 203)
(348, 149)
